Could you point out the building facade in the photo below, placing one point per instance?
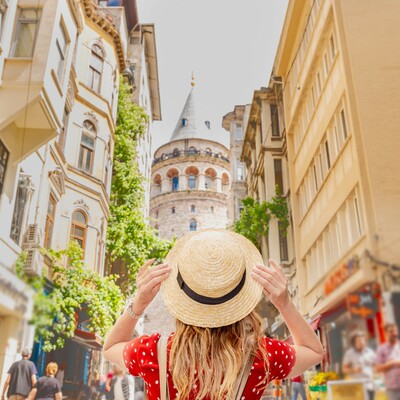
(265, 155)
(235, 122)
(57, 150)
(142, 65)
(340, 100)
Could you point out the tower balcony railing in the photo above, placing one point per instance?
(190, 153)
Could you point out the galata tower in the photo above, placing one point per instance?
(189, 191)
(190, 178)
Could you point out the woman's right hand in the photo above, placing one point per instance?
(148, 282)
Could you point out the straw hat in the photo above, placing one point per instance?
(210, 284)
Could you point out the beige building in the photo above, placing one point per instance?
(265, 155)
(235, 122)
(59, 65)
(340, 96)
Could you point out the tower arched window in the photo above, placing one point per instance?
(86, 151)
(79, 228)
(176, 152)
(96, 64)
(193, 208)
(192, 182)
(193, 225)
(192, 151)
(175, 183)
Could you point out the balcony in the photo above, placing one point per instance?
(189, 153)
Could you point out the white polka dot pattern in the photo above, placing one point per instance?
(140, 357)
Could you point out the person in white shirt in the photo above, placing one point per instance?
(359, 361)
(122, 385)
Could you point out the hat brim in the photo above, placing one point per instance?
(191, 312)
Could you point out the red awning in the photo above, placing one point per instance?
(315, 323)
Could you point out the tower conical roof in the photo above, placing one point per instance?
(186, 127)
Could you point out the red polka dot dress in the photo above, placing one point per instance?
(140, 356)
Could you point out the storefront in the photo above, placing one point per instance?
(352, 301)
(81, 355)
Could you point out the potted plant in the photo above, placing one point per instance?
(318, 385)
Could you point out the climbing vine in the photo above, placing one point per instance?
(255, 217)
(74, 289)
(129, 237)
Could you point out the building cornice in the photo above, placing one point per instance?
(100, 194)
(91, 13)
(106, 114)
(74, 8)
(152, 62)
(190, 159)
(185, 195)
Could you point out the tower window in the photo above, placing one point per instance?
(212, 209)
(193, 208)
(173, 210)
(192, 182)
(175, 183)
(184, 121)
(192, 151)
(193, 225)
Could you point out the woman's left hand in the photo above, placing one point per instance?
(274, 283)
(148, 282)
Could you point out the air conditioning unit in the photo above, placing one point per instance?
(34, 263)
(32, 237)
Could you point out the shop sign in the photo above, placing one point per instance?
(340, 275)
(362, 304)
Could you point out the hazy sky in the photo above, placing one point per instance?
(229, 44)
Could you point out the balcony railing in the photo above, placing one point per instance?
(189, 153)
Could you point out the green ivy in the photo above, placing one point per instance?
(129, 237)
(74, 288)
(255, 217)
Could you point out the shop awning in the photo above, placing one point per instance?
(88, 339)
(334, 299)
(315, 323)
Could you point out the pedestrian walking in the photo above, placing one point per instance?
(47, 387)
(122, 385)
(359, 362)
(388, 361)
(298, 388)
(21, 377)
(212, 280)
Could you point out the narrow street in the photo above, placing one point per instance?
(129, 129)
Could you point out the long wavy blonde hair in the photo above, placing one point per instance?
(209, 360)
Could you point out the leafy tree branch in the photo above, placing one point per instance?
(255, 218)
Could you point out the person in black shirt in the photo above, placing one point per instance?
(21, 377)
(47, 387)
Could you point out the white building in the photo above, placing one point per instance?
(59, 66)
(142, 72)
